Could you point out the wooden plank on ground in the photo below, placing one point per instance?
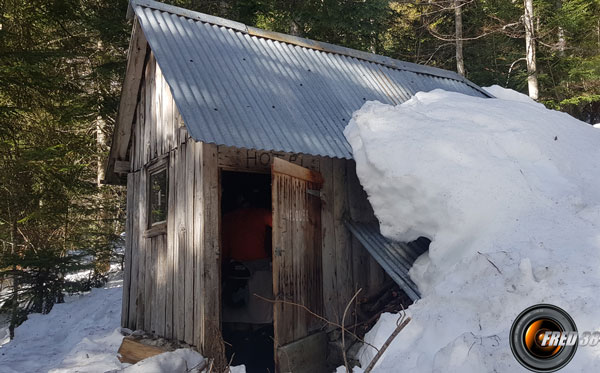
(132, 351)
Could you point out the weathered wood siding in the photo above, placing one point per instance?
(347, 266)
(166, 274)
(297, 263)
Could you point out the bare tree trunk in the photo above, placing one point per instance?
(294, 29)
(530, 56)
(460, 60)
(100, 146)
(561, 45)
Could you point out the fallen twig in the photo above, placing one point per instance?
(492, 263)
(388, 342)
(318, 317)
(348, 368)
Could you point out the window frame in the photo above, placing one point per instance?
(157, 228)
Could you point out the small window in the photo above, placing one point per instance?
(158, 197)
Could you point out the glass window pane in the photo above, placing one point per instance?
(158, 197)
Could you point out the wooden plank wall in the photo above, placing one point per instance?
(166, 274)
(347, 266)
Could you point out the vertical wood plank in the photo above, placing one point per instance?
(190, 245)
(179, 300)
(199, 286)
(161, 286)
(140, 128)
(297, 254)
(133, 288)
(211, 255)
(142, 249)
(148, 82)
(170, 247)
(330, 295)
(343, 247)
(128, 239)
(158, 97)
(151, 104)
(149, 286)
(168, 118)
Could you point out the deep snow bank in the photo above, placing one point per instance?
(509, 193)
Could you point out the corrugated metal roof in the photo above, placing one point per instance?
(395, 258)
(240, 86)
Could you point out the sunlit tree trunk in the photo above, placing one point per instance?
(460, 60)
(530, 57)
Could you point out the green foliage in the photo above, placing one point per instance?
(60, 65)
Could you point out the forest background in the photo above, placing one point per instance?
(62, 63)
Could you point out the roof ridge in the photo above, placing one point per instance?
(303, 42)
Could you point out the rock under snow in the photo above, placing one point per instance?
(509, 193)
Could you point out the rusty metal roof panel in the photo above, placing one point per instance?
(240, 86)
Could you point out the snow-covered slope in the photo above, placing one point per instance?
(81, 334)
(509, 193)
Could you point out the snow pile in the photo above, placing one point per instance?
(509, 194)
(179, 361)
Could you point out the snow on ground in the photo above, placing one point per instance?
(181, 360)
(83, 335)
(509, 194)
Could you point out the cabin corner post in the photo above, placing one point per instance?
(208, 258)
(125, 323)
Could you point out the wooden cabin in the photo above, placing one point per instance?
(211, 108)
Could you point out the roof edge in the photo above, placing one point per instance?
(304, 42)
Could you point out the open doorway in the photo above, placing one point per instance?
(246, 236)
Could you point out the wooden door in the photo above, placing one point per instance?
(297, 270)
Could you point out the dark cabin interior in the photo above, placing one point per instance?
(247, 320)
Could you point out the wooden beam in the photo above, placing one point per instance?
(129, 94)
(122, 167)
(252, 160)
(290, 169)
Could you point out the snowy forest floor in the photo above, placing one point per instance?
(82, 334)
